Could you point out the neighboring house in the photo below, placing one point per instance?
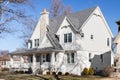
(69, 43)
(117, 42)
(4, 61)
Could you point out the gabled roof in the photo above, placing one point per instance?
(80, 17)
(77, 19)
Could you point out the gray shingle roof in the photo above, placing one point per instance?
(77, 19)
(54, 41)
(33, 50)
(55, 23)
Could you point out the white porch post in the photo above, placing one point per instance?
(34, 63)
(53, 58)
(53, 61)
(11, 61)
(21, 61)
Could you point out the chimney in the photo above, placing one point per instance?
(44, 22)
(118, 23)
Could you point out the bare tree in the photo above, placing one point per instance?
(27, 31)
(57, 8)
(11, 10)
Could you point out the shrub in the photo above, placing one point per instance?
(26, 72)
(59, 73)
(85, 71)
(48, 73)
(67, 73)
(30, 70)
(53, 73)
(106, 72)
(91, 71)
(5, 69)
(21, 71)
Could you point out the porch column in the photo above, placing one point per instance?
(11, 61)
(34, 59)
(52, 61)
(34, 64)
(21, 61)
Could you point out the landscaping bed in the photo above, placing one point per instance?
(15, 76)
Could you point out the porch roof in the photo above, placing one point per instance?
(34, 51)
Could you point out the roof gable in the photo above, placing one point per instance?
(45, 43)
(77, 19)
(98, 12)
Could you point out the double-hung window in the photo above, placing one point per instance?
(70, 57)
(67, 37)
(36, 42)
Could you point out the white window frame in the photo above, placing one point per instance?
(70, 59)
(68, 37)
(36, 42)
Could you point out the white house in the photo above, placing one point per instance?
(69, 43)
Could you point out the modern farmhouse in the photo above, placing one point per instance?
(68, 43)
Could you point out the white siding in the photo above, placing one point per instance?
(63, 30)
(95, 26)
(36, 34)
(45, 43)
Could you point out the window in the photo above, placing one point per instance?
(4, 63)
(36, 42)
(89, 57)
(70, 57)
(67, 37)
(82, 34)
(101, 57)
(91, 37)
(44, 58)
(31, 44)
(48, 58)
(108, 42)
(31, 59)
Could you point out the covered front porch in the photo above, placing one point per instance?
(44, 60)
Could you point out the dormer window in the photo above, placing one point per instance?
(31, 44)
(67, 37)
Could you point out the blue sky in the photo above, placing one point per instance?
(109, 8)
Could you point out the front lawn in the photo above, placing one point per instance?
(8, 76)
